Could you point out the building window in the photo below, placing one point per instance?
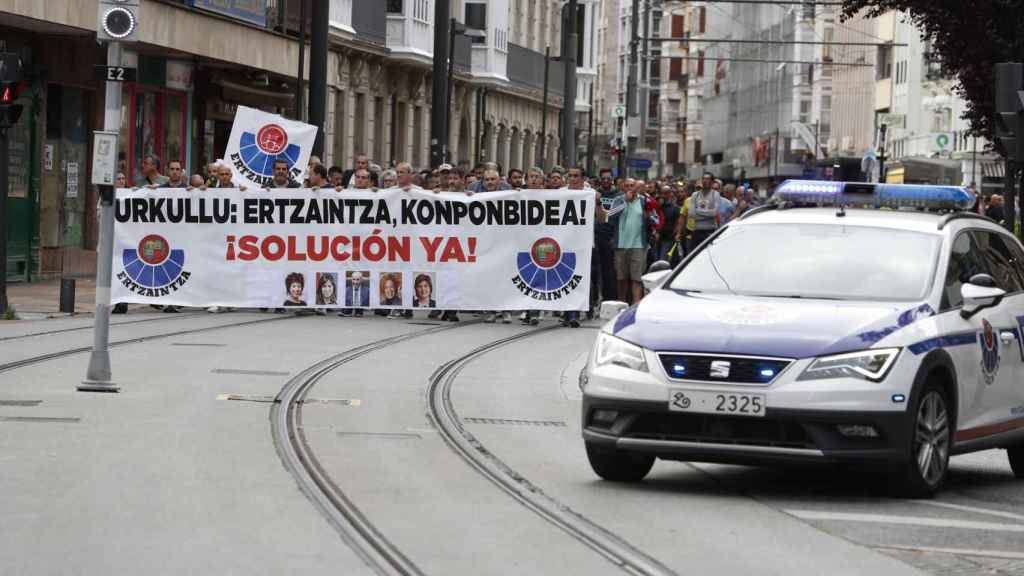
(158, 126)
(883, 71)
(678, 25)
(394, 6)
(672, 152)
(476, 18)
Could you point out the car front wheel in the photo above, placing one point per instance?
(1016, 455)
(925, 469)
(617, 466)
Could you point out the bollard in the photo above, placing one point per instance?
(67, 295)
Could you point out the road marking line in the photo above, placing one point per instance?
(958, 551)
(963, 508)
(904, 520)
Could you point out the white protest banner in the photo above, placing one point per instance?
(259, 138)
(512, 250)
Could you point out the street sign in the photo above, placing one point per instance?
(10, 67)
(641, 163)
(619, 111)
(941, 142)
(115, 73)
(892, 120)
(104, 158)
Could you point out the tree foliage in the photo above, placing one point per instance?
(970, 37)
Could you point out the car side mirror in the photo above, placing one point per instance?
(659, 266)
(978, 294)
(612, 308)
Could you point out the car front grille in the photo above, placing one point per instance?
(723, 369)
(708, 428)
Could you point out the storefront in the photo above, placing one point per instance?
(924, 171)
(156, 114)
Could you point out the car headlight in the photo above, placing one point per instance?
(870, 365)
(618, 352)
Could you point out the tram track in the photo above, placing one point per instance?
(442, 413)
(83, 349)
(354, 528)
(91, 326)
(358, 531)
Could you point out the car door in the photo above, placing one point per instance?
(985, 347)
(1014, 308)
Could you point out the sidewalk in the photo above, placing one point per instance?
(37, 300)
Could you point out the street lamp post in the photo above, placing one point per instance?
(439, 86)
(455, 29)
(544, 111)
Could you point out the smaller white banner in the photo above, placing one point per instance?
(259, 139)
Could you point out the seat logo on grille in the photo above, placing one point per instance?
(720, 368)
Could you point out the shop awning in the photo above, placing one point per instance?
(254, 97)
(996, 169)
(925, 171)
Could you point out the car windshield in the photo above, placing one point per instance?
(817, 261)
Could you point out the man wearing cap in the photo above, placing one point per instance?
(444, 171)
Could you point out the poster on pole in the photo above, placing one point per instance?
(258, 139)
(301, 248)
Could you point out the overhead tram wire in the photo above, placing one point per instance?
(774, 42)
(766, 61)
(787, 2)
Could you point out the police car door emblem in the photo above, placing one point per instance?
(720, 369)
(989, 352)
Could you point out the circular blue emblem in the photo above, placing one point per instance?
(153, 264)
(546, 268)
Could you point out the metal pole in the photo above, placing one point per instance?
(643, 102)
(590, 134)
(881, 157)
(4, 161)
(318, 74)
(776, 154)
(544, 111)
(299, 88)
(974, 162)
(97, 376)
(451, 84)
(569, 56)
(439, 84)
(631, 103)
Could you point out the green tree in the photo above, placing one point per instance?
(970, 37)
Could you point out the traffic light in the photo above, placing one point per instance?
(118, 20)
(10, 76)
(1010, 110)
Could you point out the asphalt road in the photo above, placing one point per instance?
(179, 473)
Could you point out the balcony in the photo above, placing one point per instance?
(526, 68)
(341, 16)
(410, 31)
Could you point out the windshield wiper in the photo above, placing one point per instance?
(797, 297)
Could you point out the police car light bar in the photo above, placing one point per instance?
(828, 193)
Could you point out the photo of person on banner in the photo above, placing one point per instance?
(294, 285)
(326, 289)
(357, 289)
(424, 286)
(391, 289)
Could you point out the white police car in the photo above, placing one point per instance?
(812, 331)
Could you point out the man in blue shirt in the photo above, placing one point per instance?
(631, 241)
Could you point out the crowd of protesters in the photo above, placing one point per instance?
(637, 221)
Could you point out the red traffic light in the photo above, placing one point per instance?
(9, 93)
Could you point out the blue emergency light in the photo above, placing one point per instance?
(827, 193)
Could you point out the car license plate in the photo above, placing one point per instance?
(728, 403)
